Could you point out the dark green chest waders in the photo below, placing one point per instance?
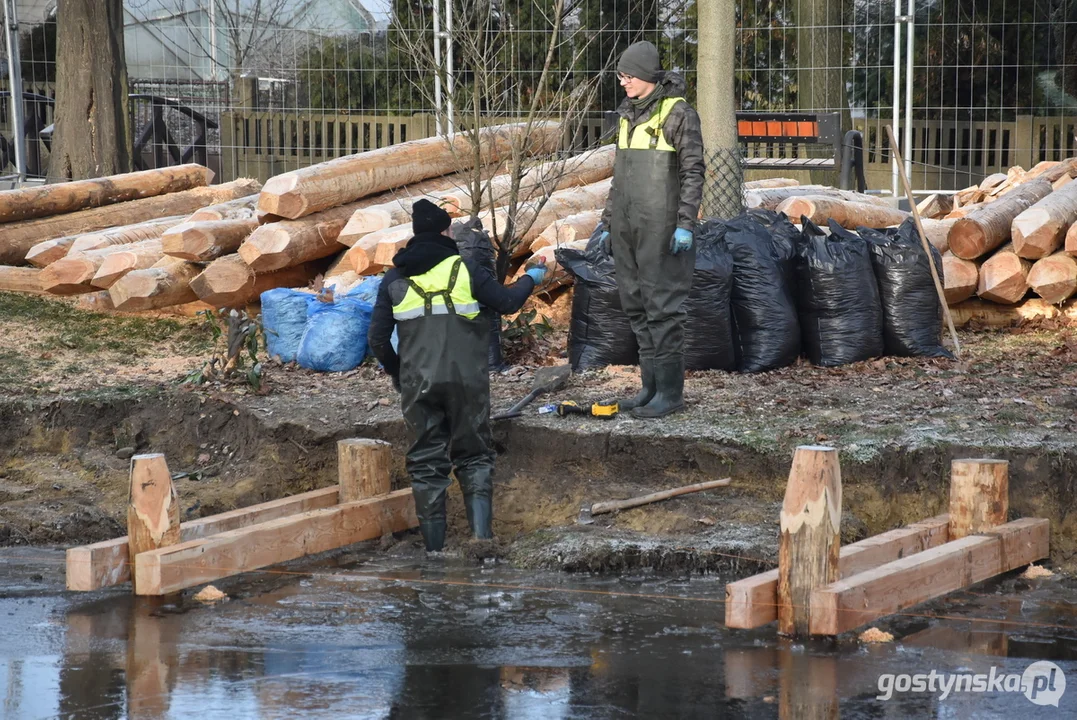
(653, 283)
(445, 399)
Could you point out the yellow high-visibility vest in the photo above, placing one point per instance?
(443, 290)
(649, 135)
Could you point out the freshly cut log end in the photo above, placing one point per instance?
(115, 265)
(1054, 278)
(153, 506)
(208, 239)
(230, 282)
(71, 275)
(155, 287)
(938, 233)
(1041, 230)
(960, 278)
(989, 226)
(1004, 277)
(46, 253)
(389, 242)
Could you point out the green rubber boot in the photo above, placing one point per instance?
(669, 395)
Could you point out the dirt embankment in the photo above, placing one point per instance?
(79, 393)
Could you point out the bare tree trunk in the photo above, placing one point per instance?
(716, 100)
(820, 61)
(93, 136)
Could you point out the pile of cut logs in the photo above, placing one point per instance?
(165, 238)
(1012, 233)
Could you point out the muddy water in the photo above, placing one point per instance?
(372, 636)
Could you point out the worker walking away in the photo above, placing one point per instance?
(650, 218)
(432, 297)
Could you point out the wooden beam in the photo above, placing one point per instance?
(753, 602)
(363, 468)
(153, 519)
(103, 564)
(979, 496)
(854, 601)
(809, 544)
(171, 569)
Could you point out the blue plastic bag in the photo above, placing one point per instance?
(284, 318)
(335, 338)
(367, 291)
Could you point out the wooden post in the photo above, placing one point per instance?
(153, 517)
(364, 468)
(979, 496)
(809, 545)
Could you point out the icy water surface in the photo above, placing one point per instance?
(367, 637)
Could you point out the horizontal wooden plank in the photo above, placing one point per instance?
(103, 564)
(171, 569)
(859, 599)
(753, 602)
(784, 163)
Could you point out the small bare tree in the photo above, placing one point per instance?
(505, 73)
(252, 30)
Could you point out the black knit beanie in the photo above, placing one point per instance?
(428, 217)
(640, 60)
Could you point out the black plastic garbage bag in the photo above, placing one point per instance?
(766, 331)
(841, 317)
(599, 333)
(475, 246)
(708, 333)
(912, 313)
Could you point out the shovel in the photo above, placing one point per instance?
(547, 379)
(587, 512)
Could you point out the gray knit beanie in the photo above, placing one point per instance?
(640, 60)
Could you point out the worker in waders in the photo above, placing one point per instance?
(650, 219)
(432, 297)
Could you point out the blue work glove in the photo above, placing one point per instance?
(537, 273)
(681, 241)
(607, 242)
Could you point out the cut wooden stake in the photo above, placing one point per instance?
(60, 198)
(1071, 239)
(556, 276)
(363, 466)
(156, 287)
(809, 543)
(347, 179)
(361, 257)
(935, 206)
(854, 601)
(532, 220)
(103, 564)
(19, 237)
(1040, 230)
(153, 506)
(1004, 277)
(229, 282)
(75, 273)
(572, 228)
(1054, 278)
(206, 240)
(938, 233)
(979, 496)
(753, 602)
(188, 564)
(988, 227)
(960, 277)
(21, 279)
